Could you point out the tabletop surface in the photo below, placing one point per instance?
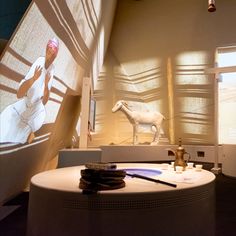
(67, 179)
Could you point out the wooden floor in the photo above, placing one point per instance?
(16, 222)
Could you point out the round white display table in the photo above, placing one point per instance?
(58, 207)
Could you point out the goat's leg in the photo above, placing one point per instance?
(135, 136)
(156, 135)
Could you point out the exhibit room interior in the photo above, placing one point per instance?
(136, 94)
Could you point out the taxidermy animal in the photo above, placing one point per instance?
(136, 117)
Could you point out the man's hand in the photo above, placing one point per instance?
(37, 72)
(24, 87)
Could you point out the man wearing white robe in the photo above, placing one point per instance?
(19, 121)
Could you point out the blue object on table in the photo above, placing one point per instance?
(142, 171)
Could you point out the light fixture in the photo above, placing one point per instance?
(211, 5)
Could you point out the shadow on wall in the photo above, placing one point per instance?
(176, 87)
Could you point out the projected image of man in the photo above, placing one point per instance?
(20, 121)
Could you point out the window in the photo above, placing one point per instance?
(226, 59)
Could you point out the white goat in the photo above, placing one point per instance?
(135, 118)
